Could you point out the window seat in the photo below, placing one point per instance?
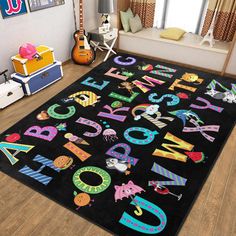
(187, 50)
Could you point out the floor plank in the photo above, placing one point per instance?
(228, 207)
(212, 214)
(217, 194)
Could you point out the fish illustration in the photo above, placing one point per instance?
(185, 115)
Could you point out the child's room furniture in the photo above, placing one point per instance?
(10, 91)
(27, 67)
(101, 40)
(38, 73)
(41, 79)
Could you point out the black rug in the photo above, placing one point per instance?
(128, 146)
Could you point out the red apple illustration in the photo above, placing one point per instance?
(12, 138)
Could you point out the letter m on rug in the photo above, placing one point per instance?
(150, 82)
(173, 154)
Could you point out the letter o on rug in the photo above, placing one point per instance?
(81, 185)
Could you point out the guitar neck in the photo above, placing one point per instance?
(81, 18)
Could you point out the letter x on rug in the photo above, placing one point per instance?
(128, 146)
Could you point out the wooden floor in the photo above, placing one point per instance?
(24, 212)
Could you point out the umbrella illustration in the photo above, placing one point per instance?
(128, 191)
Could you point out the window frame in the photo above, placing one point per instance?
(200, 17)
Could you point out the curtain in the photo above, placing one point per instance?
(225, 24)
(145, 9)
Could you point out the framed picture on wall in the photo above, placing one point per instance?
(36, 5)
(12, 8)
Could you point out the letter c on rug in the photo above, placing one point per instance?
(52, 113)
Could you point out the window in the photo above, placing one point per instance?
(185, 14)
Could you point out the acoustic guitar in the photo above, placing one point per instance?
(82, 53)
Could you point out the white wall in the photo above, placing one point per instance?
(90, 14)
(231, 68)
(53, 27)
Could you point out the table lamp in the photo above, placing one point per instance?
(105, 7)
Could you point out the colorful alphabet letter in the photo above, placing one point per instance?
(163, 71)
(91, 123)
(43, 179)
(52, 113)
(112, 115)
(116, 75)
(150, 82)
(90, 82)
(81, 154)
(172, 154)
(150, 135)
(137, 225)
(122, 156)
(4, 146)
(176, 180)
(38, 132)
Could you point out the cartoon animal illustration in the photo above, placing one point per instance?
(185, 115)
(126, 73)
(63, 162)
(109, 135)
(229, 97)
(67, 100)
(82, 199)
(43, 115)
(121, 166)
(85, 99)
(190, 77)
(127, 85)
(152, 109)
(128, 191)
(146, 108)
(226, 96)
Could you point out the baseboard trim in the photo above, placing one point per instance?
(66, 62)
(179, 64)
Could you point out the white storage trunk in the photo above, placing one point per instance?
(10, 92)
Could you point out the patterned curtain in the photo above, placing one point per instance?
(146, 10)
(225, 24)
